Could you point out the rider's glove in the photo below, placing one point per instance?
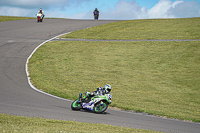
(87, 93)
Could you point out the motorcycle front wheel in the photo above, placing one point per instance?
(76, 105)
(100, 107)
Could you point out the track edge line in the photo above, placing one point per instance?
(27, 73)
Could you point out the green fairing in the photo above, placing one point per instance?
(75, 104)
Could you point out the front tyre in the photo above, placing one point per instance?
(76, 105)
(100, 107)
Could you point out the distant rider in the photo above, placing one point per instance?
(42, 12)
(96, 14)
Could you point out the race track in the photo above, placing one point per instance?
(18, 40)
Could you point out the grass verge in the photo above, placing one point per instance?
(160, 78)
(9, 123)
(12, 18)
(184, 28)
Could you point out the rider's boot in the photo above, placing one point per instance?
(80, 97)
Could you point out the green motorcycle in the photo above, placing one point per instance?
(97, 104)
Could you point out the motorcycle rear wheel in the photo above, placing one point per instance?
(100, 107)
(76, 105)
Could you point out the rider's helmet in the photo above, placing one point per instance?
(107, 88)
(41, 10)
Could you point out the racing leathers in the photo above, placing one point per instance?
(99, 91)
(42, 12)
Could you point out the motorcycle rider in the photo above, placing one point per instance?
(42, 12)
(100, 91)
(96, 13)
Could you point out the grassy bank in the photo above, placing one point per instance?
(12, 18)
(11, 124)
(161, 78)
(184, 28)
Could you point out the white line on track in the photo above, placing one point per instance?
(27, 73)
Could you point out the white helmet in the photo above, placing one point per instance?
(107, 88)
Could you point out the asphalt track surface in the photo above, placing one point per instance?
(18, 39)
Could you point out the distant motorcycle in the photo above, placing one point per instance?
(39, 17)
(96, 17)
(97, 104)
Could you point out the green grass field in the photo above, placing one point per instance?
(184, 28)
(159, 78)
(10, 124)
(12, 18)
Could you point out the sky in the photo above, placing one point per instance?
(109, 9)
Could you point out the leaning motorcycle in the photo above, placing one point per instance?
(39, 17)
(97, 104)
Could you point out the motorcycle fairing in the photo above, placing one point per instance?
(90, 105)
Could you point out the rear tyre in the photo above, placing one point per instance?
(100, 107)
(76, 105)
